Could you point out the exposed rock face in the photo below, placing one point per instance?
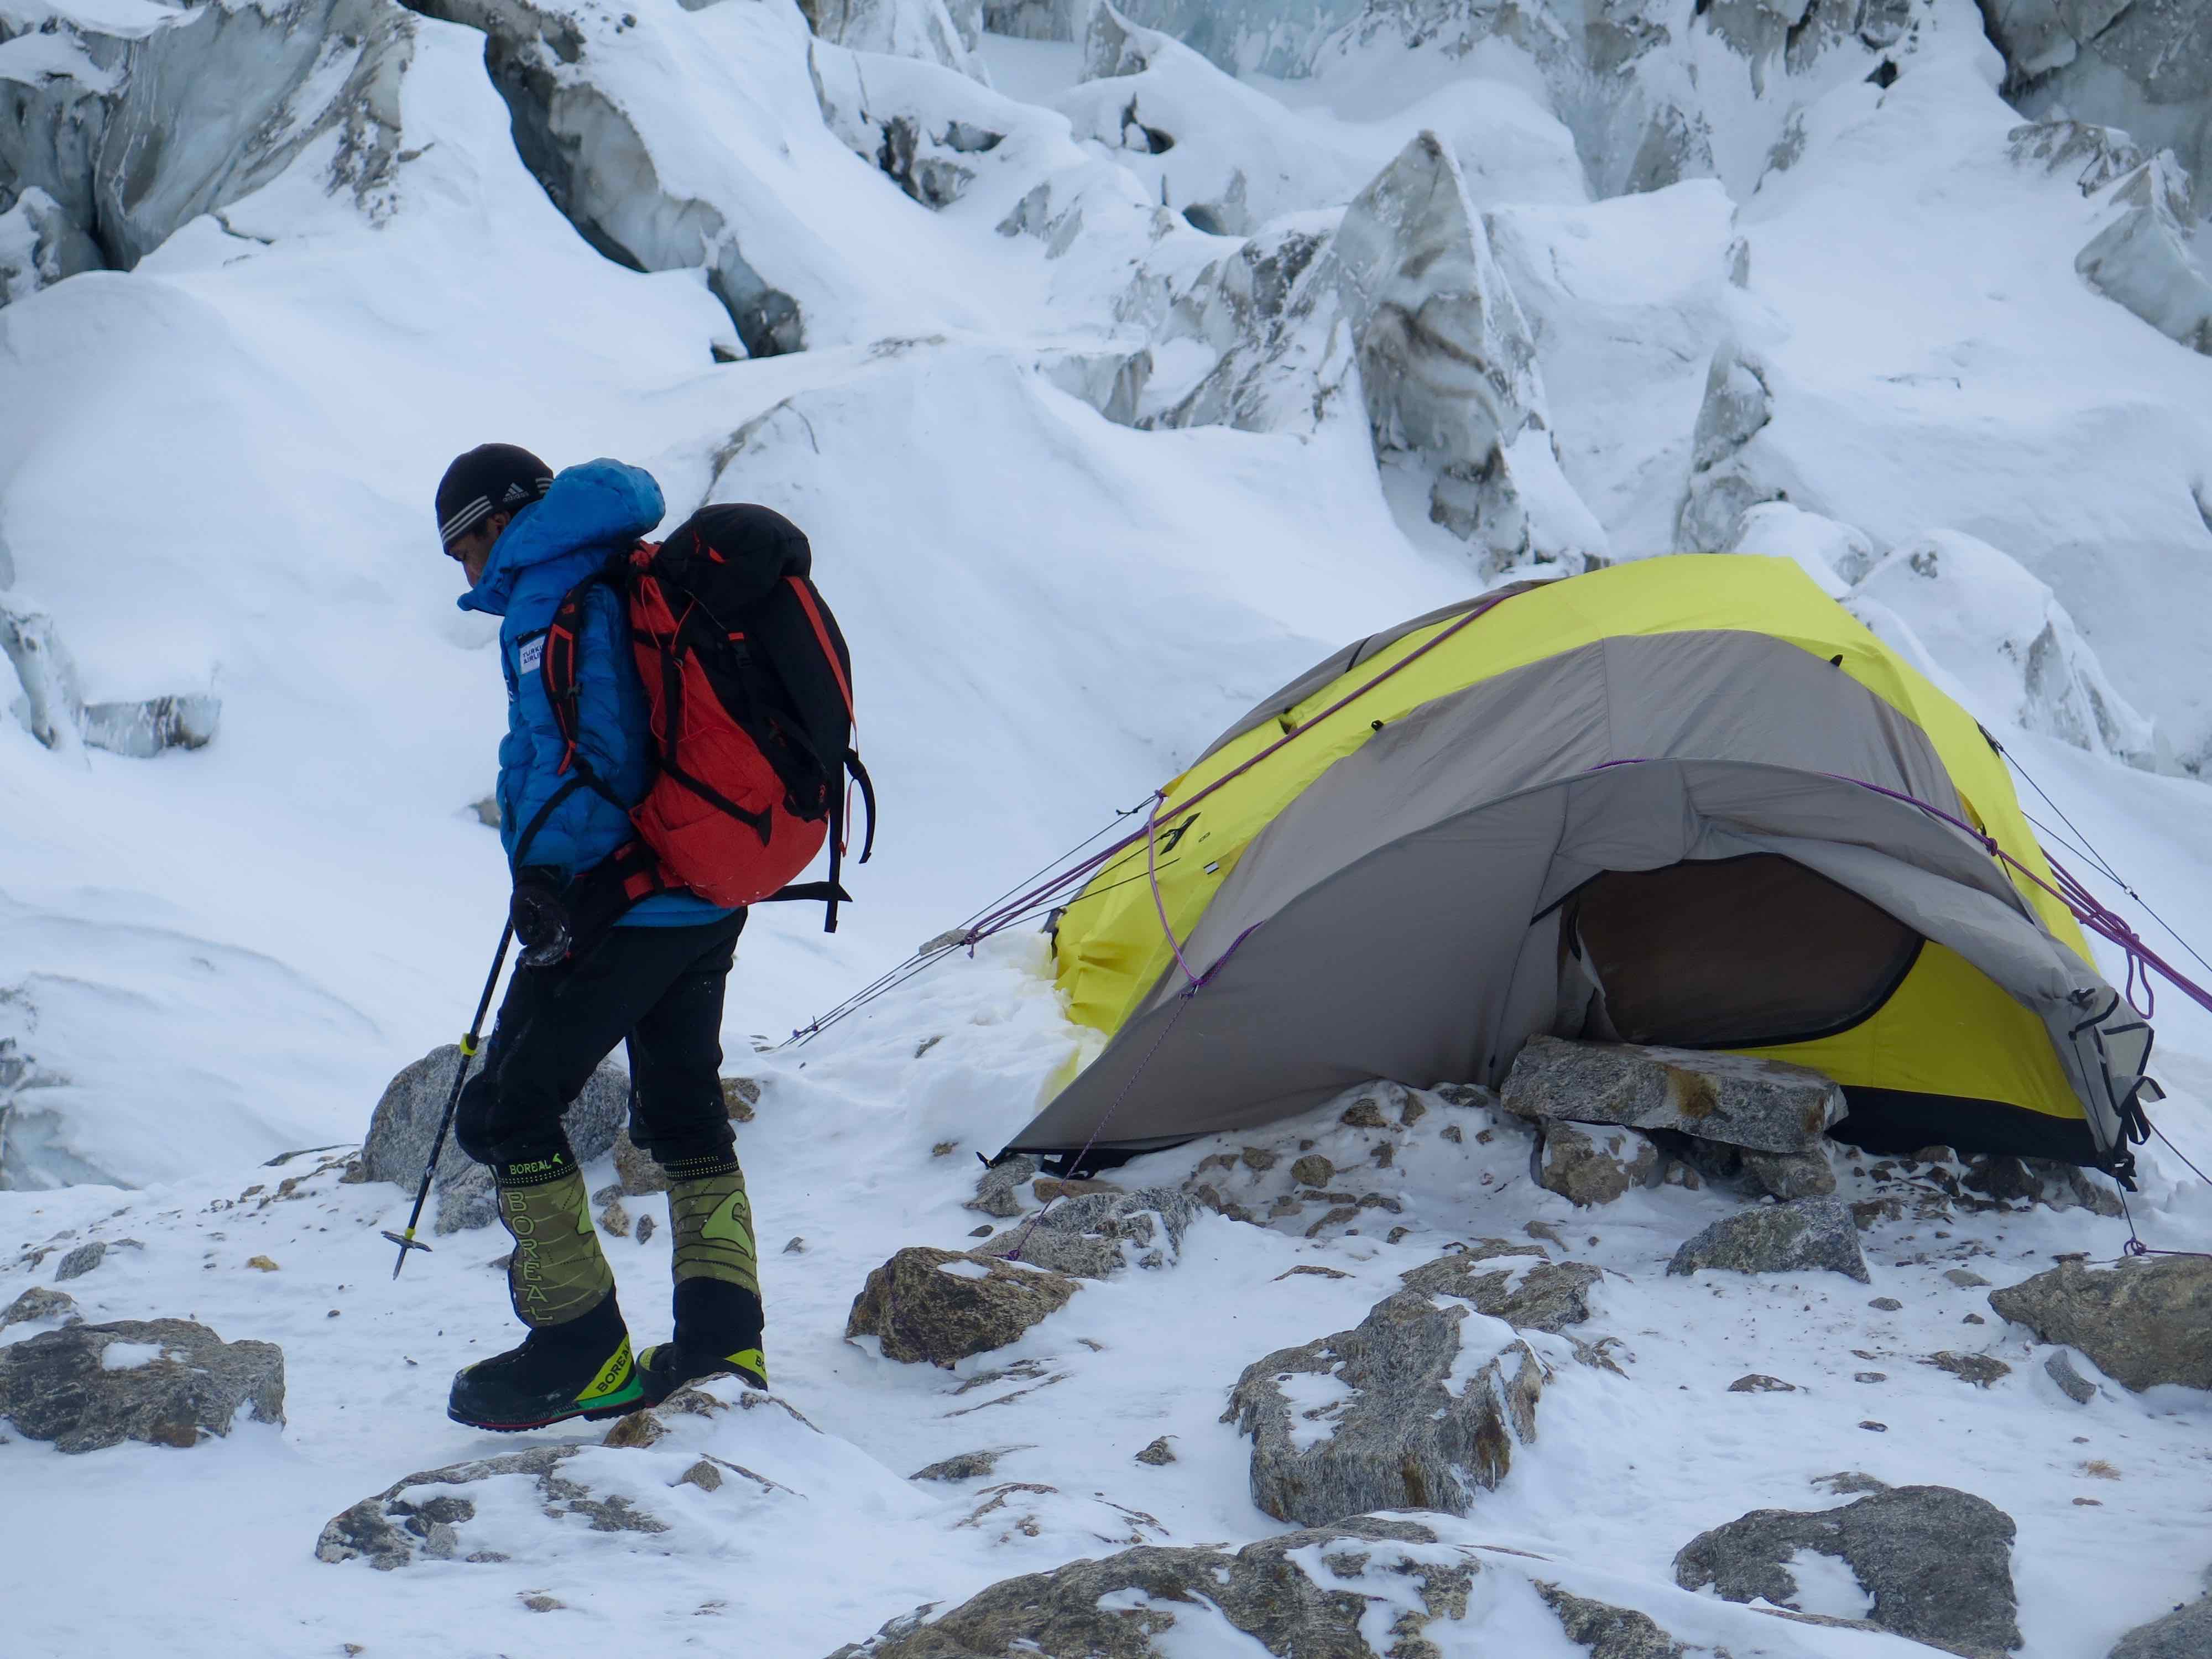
(942, 1305)
(1761, 1104)
(2093, 156)
(167, 1382)
(1366, 1419)
(405, 1122)
(2142, 259)
(1095, 1235)
(1791, 1175)
(2184, 1633)
(1937, 1562)
(2144, 1321)
(88, 159)
(1804, 1236)
(1501, 1280)
(1594, 1166)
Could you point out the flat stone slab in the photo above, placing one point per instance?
(167, 1381)
(2144, 1321)
(941, 1306)
(1936, 1561)
(1764, 1105)
(1537, 1296)
(1805, 1235)
(1368, 1419)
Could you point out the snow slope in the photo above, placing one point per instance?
(214, 476)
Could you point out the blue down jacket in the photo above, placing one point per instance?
(591, 513)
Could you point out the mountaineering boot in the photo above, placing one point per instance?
(717, 1271)
(576, 1360)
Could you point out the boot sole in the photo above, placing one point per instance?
(590, 1415)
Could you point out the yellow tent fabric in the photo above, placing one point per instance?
(1942, 1031)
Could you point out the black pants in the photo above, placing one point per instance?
(659, 988)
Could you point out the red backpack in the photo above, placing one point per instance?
(748, 686)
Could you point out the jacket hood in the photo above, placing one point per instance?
(601, 504)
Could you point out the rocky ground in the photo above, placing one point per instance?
(1497, 1415)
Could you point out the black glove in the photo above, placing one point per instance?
(540, 916)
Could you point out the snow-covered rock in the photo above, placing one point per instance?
(40, 245)
(2093, 156)
(1932, 1563)
(1594, 1166)
(1516, 1283)
(1095, 1235)
(2146, 68)
(2144, 260)
(1420, 1406)
(2185, 1631)
(1834, 555)
(1725, 481)
(2005, 638)
(167, 1381)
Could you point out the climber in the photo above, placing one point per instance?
(653, 979)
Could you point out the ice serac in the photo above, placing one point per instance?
(2004, 634)
(2144, 260)
(52, 705)
(2145, 67)
(122, 131)
(930, 30)
(1447, 363)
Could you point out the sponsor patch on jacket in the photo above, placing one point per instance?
(531, 655)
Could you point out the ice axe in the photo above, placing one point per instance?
(407, 1240)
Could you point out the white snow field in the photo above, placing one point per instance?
(1842, 323)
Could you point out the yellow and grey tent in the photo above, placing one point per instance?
(1687, 801)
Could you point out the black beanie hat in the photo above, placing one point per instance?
(490, 479)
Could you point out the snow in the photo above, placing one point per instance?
(1827, 1587)
(214, 474)
(129, 1355)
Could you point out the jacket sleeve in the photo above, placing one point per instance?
(583, 825)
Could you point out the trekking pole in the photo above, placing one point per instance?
(407, 1240)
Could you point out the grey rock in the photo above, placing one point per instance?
(967, 1466)
(2143, 258)
(82, 1259)
(1726, 478)
(1808, 1174)
(1609, 1632)
(40, 1303)
(920, 1311)
(1937, 1562)
(2145, 68)
(57, 1387)
(1159, 1453)
(1756, 1383)
(2144, 1321)
(1886, 1304)
(996, 1188)
(1761, 1104)
(1549, 1296)
(1979, 1369)
(1799, 1237)
(2184, 1633)
(1397, 1437)
(1084, 1235)
(2059, 1368)
(1849, 1483)
(1261, 1591)
(1965, 1278)
(637, 1170)
(1594, 1166)
(405, 1122)
(397, 1528)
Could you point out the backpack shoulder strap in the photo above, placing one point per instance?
(561, 672)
